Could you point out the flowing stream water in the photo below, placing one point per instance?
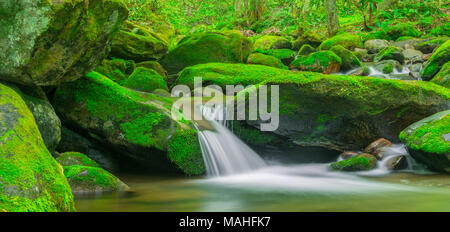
(238, 179)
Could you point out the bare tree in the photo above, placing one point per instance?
(332, 17)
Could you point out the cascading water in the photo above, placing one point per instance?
(223, 152)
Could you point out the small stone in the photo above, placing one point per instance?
(376, 147)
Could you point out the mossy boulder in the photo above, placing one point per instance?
(360, 162)
(349, 60)
(258, 58)
(117, 70)
(135, 125)
(267, 42)
(305, 50)
(346, 40)
(285, 55)
(324, 61)
(88, 179)
(155, 66)
(390, 53)
(376, 45)
(310, 38)
(76, 158)
(208, 47)
(443, 76)
(48, 42)
(428, 46)
(428, 141)
(223, 74)
(30, 179)
(146, 80)
(400, 30)
(437, 60)
(136, 43)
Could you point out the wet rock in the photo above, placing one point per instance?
(443, 76)
(437, 60)
(428, 46)
(376, 45)
(403, 76)
(376, 147)
(396, 163)
(361, 71)
(413, 56)
(428, 141)
(390, 53)
(348, 154)
(384, 65)
(49, 42)
(360, 162)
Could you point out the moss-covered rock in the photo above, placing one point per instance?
(76, 158)
(305, 50)
(267, 42)
(387, 66)
(443, 76)
(134, 124)
(349, 60)
(88, 179)
(258, 58)
(146, 80)
(201, 48)
(428, 46)
(285, 55)
(390, 53)
(30, 179)
(136, 43)
(360, 162)
(310, 38)
(47, 42)
(223, 74)
(375, 45)
(437, 60)
(346, 40)
(400, 30)
(155, 66)
(324, 61)
(117, 70)
(428, 141)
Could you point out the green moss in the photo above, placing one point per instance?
(92, 179)
(360, 162)
(184, 150)
(155, 66)
(443, 76)
(228, 74)
(145, 80)
(389, 68)
(428, 46)
(323, 61)
(306, 49)
(390, 53)
(258, 58)
(428, 134)
(201, 48)
(116, 69)
(404, 38)
(30, 179)
(437, 60)
(121, 116)
(267, 41)
(253, 135)
(349, 60)
(346, 40)
(278, 53)
(400, 30)
(75, 158)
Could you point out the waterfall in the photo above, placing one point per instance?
(223, 152)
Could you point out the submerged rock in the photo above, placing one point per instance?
(428, 141)
(207, 47)
(30, 179)
(360, 162)
(135, 125)
(88, 179)
(49, 42)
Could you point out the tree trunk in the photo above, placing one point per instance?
(237, 8)
(332, 17)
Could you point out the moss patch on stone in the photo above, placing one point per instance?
(360, 162)
(349, 60)
(437, 60)
(86, 179)
(346, 40)
(443, 76)
(323, 61)
(258, 58)
(145, 80)
(75, 158)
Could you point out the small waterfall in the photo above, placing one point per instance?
(223, 152)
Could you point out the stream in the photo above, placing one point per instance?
(239, 179)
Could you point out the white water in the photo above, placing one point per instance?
(224, 153)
